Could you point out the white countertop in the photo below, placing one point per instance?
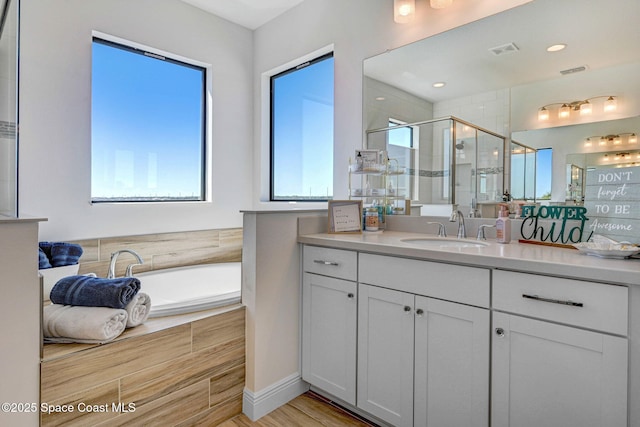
(513, 256)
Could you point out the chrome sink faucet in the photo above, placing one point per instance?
(481, 235)
(441, 231)
(456, 215)
(112, 264)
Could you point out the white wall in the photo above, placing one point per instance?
(358, 29)
(55, 113)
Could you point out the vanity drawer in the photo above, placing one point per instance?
(457, 283)
(590, 305)
(331, 262)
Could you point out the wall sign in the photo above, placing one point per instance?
(612, 197)
(559, 225)
(345, 216)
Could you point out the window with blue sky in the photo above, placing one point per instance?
(147, 126)
(302, 132)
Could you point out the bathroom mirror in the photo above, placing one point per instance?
(497, 72)
(8, 108)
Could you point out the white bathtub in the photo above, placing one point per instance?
(187, 289)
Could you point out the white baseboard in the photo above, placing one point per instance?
(257, 404)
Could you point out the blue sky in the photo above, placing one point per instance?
(147, 121)
(303, 130)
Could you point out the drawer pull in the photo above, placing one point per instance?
(319, 261)
(554, 301)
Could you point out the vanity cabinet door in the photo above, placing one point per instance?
(329, 315)
(451, 364)
(545, 374)
(385, 354)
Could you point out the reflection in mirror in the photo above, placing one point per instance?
(8, 107)
(575, 183)
(498, 73)
(447, 161)
(523, 172)
(582, 146)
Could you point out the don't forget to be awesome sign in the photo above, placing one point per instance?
(612, 198)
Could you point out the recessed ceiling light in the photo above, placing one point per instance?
(439, 84)
(380, 98)
(556, 47)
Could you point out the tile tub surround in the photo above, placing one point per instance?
(163, 250)
(186, 374)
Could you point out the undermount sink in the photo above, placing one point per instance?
(443, 242)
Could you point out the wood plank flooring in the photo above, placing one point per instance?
(307, 410)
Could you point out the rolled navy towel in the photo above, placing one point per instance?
(65, 254)
(43, 260)
(95, 291)
(46, 248)
(65, 323)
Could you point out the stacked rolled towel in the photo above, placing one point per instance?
(89, 309)
(91, 325)
(58, 254)
(95, 291)
(138, 310)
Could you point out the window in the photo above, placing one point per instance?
(147, 126)
(402, 145)
(544, 168)
(302, 132)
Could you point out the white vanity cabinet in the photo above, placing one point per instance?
(423, 361)
(329, 315)
(559, 352)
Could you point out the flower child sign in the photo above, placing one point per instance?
(560, 225)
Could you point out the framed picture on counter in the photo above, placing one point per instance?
(345, 216)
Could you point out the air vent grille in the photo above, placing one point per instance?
(504, 49)
(573, 70)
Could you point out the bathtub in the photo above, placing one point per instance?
(194, 288)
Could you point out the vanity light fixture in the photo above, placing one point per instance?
(585, 107)
(613, 139)
(403, 10)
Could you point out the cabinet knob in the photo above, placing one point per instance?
(500, 332)
(350, 295)
(407, 308)
(419, 312)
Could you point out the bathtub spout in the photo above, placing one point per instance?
(112, 264)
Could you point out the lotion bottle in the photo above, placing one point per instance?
(503, 226)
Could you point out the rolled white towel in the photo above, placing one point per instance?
(92, 325)
(138, 309)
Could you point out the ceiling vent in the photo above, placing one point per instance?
(573, 70)
(504, 49)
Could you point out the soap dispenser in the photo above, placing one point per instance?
(503, 226)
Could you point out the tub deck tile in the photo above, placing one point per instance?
(67, 375)
(226, 384)
(103, 396)
(166, 411)
(160, 380)
(215, 330)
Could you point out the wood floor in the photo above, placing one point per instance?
(307, 410)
